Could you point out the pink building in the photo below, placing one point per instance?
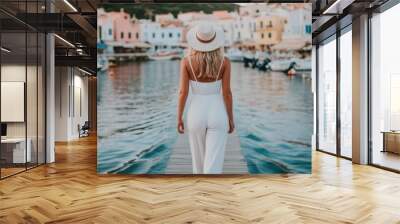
(222, 15)
(189, 17)
(126, 28)
(161, 18)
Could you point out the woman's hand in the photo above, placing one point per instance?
(180, 127)
(231, 126)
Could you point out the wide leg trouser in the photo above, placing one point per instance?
(207, 128)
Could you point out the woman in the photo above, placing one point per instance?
(209, 116)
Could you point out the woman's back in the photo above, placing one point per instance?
(204, 85)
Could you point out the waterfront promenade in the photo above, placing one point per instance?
(180, 161)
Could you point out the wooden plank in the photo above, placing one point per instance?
(180, 161)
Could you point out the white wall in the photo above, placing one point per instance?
(12, 73)
(33, 126)
(70, 83)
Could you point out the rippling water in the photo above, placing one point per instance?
(137, 115)
(274, 116)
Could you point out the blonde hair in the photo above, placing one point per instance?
(209, 62)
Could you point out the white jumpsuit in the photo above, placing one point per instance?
(207, 124)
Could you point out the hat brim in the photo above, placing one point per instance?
(194, 43)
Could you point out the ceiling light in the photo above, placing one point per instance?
(65, 41)
(79, 51)
(84, 71)
(70, 5)
(5, 50)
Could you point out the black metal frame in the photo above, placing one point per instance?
(369, 83)
(44, 79)
(338, 98)
(316, 97)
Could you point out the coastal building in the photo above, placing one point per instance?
(169, 36)
(167, 20)
(149, 30)
(192, 18)
(158, 36)
(245, 27)
(253, 10)
(297, 21)
(269, 30)
(126, 28)
(188, 16)
(104, 27)
(226, 21)
(298, 24)
(160, 18)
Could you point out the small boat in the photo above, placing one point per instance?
(165, 55)
(282, 65)
(234, 54)
(102, 64)
(279, 65)
(303, 64)
(112, 62)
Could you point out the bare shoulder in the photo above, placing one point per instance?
(226, 63)
(184, 61)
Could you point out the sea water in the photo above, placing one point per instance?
(137, 105)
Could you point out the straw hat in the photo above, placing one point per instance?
(205, 37)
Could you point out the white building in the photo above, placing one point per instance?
(226, 20)
(158, 36)
(170, 36)
(298, 24)
(104, 26)
(149, 30)
(228, 26)
(297, 20)
(244, 28)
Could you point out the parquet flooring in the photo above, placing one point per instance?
(70, 191)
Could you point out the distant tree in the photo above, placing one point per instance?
(148, 13)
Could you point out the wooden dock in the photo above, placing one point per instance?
(180, 161)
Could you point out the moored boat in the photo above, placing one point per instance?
(234, 54)
(165, 55)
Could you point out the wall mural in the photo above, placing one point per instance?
(151, 55)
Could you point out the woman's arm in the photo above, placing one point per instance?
(183, 93)
(227, 93)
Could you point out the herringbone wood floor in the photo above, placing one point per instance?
(70, 191)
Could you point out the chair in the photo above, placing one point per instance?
(84, 130)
